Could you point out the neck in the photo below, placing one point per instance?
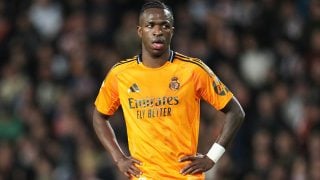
(155, 61)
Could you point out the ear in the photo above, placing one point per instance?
(172, 31)
(139, 31)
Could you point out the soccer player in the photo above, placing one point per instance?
(159, 91)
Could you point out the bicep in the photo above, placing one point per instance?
(99, 117)
(233, 106)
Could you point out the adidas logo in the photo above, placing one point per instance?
(134, 88)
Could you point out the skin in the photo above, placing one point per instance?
(155, 25)
(156, 30)
(234, 117)
(126, 164)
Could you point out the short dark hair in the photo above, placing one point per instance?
(155, 4)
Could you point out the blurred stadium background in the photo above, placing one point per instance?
(55, 53)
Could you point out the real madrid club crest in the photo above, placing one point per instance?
(174, 84)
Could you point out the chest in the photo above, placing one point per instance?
(166, 82)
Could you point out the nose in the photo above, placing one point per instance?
(157, 31)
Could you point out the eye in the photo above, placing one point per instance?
(149, 26)
(166, 26)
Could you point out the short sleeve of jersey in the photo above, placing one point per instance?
(107, 101)
(211, 89)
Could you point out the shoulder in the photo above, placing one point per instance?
(193, 62)
(124, 64)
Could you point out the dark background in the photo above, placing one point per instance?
(54, 54)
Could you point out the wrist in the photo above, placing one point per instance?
(119, 158)
(216, 152)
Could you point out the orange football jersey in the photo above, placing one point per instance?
(161, 108)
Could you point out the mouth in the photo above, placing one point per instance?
(158, 44)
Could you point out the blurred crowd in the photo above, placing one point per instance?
(55, 53)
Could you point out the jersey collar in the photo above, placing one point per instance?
(171, 57)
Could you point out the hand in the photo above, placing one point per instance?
(199, 164)
(127, 166)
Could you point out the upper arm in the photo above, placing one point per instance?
(99, 115)
(233, 106)
(107, 101)
(211, 89)
(99, 118)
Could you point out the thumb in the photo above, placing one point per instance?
(187, 158)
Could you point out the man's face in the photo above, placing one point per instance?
(155, 30)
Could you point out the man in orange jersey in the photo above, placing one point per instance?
(159, 91)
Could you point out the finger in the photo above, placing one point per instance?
(197, 170)
(187, 158)
(198, 155)
(189, 170)
(127, 174)
(136, 161)
(135, 170)
(133, 173)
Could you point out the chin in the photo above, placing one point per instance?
(157, 53)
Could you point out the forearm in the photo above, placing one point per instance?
(106, 136)
(233, 120)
